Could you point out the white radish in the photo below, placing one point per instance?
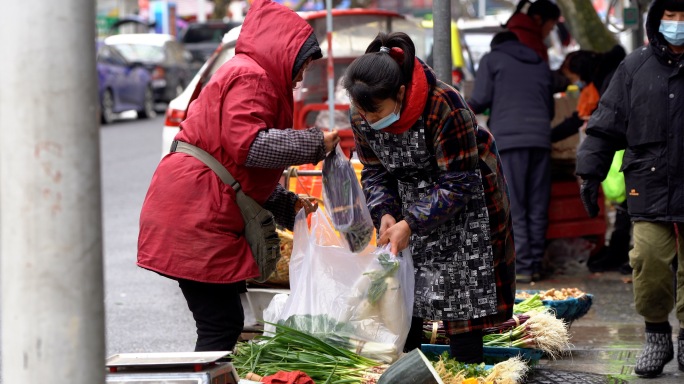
(393, 309)
(366, 310)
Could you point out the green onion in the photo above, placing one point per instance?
(290, 350)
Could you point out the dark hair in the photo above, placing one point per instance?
(502, 37)
(545, 9)
(584, 63)
(673, 5)
(377, 75)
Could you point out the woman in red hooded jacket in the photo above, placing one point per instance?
(191, 228)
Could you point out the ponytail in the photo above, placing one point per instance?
(378, 74)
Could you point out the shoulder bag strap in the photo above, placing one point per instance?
(209, 161)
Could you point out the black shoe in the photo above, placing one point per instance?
(658, 352)
(680, 354)
(625, 269)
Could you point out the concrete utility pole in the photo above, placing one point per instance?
(441, 55)
(52, 277)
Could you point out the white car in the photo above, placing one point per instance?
(177, 109)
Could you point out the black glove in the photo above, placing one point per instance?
(589, 191)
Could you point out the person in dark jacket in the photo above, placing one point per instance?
(642, 112)
(433, 182)
(532, 22)
(516, 84)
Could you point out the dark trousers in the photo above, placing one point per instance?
(217, 311)
(528, 175)
(622, 235)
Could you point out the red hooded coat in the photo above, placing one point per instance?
(190, 224)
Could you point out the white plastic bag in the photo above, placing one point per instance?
(329, 292)
(272, 312)
(345, 201)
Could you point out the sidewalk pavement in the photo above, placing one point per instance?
(607, 340)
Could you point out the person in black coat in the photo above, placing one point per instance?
(516, 84)
(642, 111)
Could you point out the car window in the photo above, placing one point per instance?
(203, 34)
(110, 56)
(142, 52)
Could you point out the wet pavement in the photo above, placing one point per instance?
(607, 340)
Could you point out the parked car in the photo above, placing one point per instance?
(122, 85)
(166, 58)
(354, 30)
(202, 39)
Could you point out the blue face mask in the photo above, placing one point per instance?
(673, 31)
(387, 120)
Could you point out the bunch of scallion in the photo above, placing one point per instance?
(533, 303)
(542, 330)
(291, 350)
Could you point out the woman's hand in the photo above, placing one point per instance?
(397, 236)
(385, 223)
(306, 203)
(330, 140)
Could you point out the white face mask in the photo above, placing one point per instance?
(673, 31)
(387, 120)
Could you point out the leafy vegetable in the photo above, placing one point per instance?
(378, 285)
(533, 303)
(290, 349)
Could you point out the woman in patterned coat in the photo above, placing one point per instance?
(433, 182)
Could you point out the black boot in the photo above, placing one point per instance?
(658, 351)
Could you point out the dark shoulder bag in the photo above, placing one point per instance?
(260, 228)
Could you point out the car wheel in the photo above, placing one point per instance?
(107, 108)
(148, 110)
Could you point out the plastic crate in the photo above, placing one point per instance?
(492, 355)
(570, 309)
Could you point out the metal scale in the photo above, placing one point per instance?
(171, 368)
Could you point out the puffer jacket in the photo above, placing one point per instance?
(516, 84)
(642, 111)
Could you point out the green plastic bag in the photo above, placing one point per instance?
(614, 184)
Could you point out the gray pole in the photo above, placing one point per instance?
(52, 277)
(441, 55)
(639, 34)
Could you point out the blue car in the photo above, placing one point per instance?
(122, 85)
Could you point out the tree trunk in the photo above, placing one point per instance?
(586, 26)
(220, 7)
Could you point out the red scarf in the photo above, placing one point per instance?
(415, 97)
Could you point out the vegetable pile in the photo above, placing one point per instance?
(290, 350)
(511, 371)
(541, 330)
(553, 294)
